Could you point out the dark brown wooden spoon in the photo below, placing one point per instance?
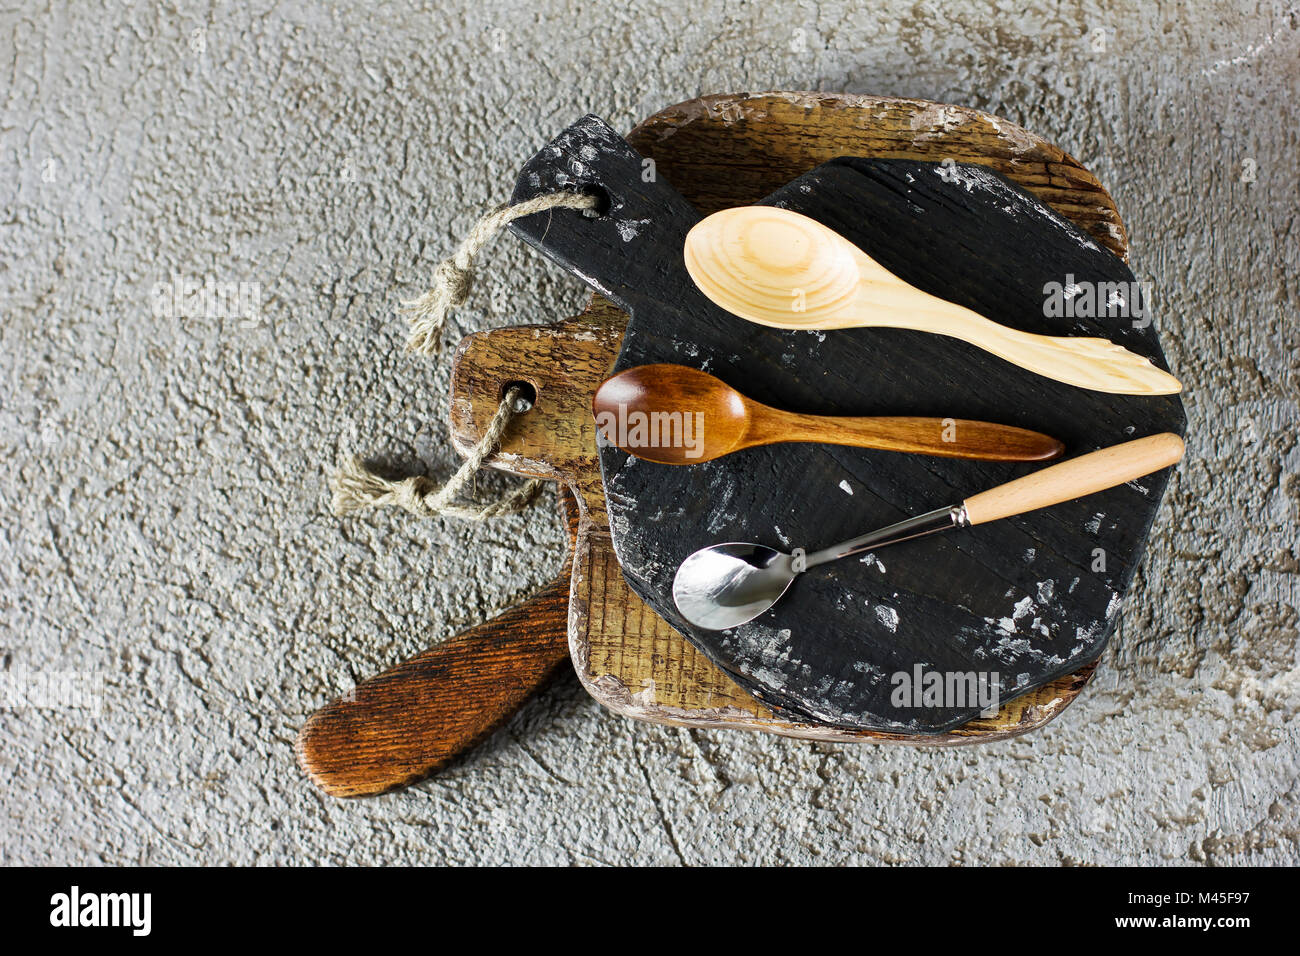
(677, 415)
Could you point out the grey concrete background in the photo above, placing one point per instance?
(163, 513)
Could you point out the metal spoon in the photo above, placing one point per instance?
(726, 585)
(677, 415)
(780, 268)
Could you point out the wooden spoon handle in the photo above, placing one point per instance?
(1077, 477)
(1099, 364)
(402, 725)
(1093, 363)
(943, 437)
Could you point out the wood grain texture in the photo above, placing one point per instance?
(1085, 475)
(784, 270)
(723, 151)
(1017, 604)
(398, 727)
(626, 656)
(688, 417)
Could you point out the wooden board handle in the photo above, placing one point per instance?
(402, 725)
(1095, 471)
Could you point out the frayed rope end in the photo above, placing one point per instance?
(355, 488)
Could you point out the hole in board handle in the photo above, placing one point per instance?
(527, 396)
(602, 201)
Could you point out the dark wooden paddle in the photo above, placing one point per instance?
(399, 727)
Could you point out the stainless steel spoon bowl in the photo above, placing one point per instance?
(726, 585)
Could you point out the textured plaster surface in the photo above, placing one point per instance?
(163, 514)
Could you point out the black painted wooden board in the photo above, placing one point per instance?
(1020, 597)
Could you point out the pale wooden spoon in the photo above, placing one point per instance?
(779, 268)
(677, 415)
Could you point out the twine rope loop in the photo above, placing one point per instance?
(454, 277)
(356, 487)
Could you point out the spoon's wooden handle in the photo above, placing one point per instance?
(1077, 477)
(1093, 363)
(942, 437)
(1099, 364)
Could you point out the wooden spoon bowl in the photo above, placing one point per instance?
(774, 267)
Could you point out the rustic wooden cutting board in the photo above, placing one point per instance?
(1016, 604)
(719, 152)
